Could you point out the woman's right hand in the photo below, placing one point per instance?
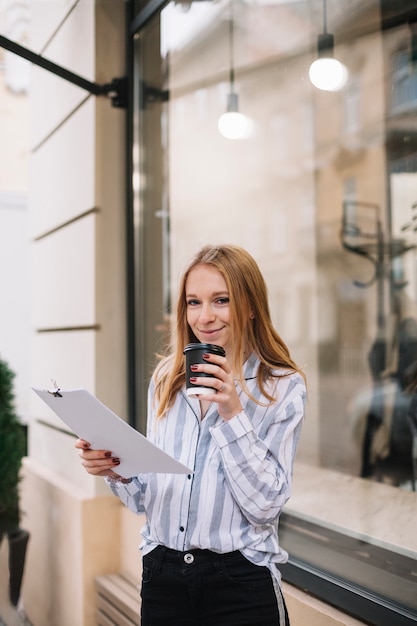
(97, 462)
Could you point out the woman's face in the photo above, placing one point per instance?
(208, 312)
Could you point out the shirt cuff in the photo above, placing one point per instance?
(118, 487)
(231, 430)
(118, 481)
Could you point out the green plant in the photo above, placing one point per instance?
(12, 449)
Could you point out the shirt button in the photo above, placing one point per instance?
(182, 529)
(188, 558)
(189, 476)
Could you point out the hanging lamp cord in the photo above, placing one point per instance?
(231, 46)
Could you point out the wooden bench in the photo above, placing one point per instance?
(118, 600)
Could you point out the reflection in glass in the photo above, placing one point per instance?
(323, 193)
(328, 74)
(387, 441)
(317, 164)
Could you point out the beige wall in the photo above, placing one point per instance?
(77, 209)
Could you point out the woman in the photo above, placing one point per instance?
(210, 542)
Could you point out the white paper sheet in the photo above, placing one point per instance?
(91, 420)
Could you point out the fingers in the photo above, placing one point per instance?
(220, 376)
(82, 444)
(221, 383)
(214, 365)
(214, 384)
(97, 462)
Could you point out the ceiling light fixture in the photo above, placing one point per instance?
(326, 72)
(232, 124)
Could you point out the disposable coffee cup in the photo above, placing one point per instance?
(194, 355)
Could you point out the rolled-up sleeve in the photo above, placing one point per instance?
(258, 461)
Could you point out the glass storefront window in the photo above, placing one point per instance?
(322, 190)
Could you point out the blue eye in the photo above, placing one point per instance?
(222, 300)
(192, 302)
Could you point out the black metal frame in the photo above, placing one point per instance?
(380, 603)
(340, 593)
(116, 89)
(130, 232)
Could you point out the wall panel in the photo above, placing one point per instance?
(71, 46)
(64, 266)
(63, 172)
(77, 206)
(69, 546)
(45, 20)
(67, 357)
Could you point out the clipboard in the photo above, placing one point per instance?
(93, 421)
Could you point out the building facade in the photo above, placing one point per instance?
(321, 189)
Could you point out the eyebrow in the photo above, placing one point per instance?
(216, 293)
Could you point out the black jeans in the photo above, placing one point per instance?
(202, 588)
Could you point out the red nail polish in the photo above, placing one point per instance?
(107, 454)
(193, 379)
(116, 461)
(206, 356)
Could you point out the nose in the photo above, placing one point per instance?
(206, 314)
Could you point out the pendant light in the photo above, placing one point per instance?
(232, 124)
(326, 72)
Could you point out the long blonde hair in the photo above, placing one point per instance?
(250, 324)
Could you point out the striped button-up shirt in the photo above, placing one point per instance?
(242, 470)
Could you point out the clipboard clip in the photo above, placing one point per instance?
(55, 393)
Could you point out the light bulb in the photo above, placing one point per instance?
(233, 125)
(328, 74)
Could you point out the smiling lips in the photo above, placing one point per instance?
(209, 332)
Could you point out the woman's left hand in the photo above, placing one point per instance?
(223, 384)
